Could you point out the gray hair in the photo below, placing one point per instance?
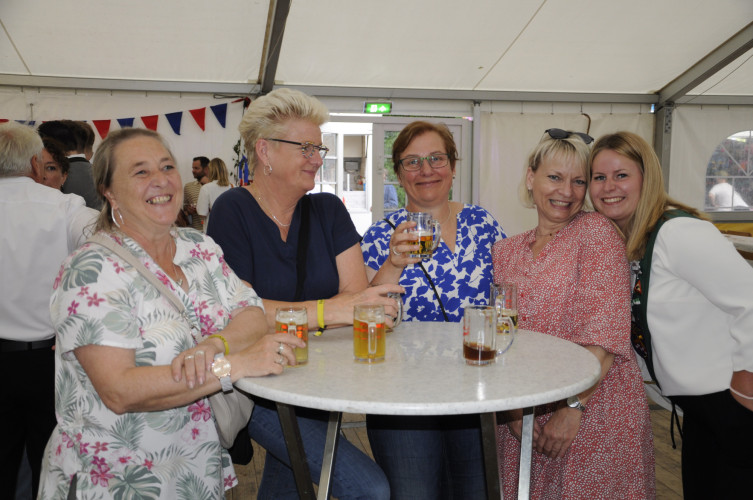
(267, 116)
(18, 145)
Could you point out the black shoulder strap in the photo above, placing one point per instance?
(641, 335)
(431, 282)
(303, 243)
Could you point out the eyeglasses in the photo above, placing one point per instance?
(558, 133)
(436, 161)
(307, 148)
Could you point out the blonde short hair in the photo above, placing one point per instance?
(267, 117)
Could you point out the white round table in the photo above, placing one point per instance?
(424, 374)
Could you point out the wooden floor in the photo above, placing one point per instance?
(668, 480)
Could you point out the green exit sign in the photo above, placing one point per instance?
(380, 108)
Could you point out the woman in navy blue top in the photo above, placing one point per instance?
(295, 247)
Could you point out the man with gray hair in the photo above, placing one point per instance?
(40, 227)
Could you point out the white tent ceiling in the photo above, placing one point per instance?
(588, 50)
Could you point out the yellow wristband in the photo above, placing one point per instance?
(320, 317)
(227, 346)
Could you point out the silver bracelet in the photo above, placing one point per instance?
(749, 398)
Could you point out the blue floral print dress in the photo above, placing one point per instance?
(461, 278)
(99, 299)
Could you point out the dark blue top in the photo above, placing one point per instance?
(254, 250)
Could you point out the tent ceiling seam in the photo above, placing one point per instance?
(18, 53)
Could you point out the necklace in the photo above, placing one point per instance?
(266, 209)
(545, 234)
(449, 212)
(178, 279)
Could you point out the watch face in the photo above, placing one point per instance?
(221, 367)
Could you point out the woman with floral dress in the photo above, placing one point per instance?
(132, 374)
(425, 456)
(573, 283)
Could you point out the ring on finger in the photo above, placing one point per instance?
(281, 361)
(396, 252)
(190, 356)
(280, 349)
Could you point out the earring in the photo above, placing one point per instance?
(112, 216)
(268, 169)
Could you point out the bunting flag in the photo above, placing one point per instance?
(150, 121)
(175, 119)
(220, 112)
(199, 116)
(125, 122)
(103, 127)
(243, 172)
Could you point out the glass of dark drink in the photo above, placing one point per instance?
(480, 335)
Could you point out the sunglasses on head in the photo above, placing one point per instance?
(558, 133)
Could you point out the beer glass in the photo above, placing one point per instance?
(479, 335)
(369, 342)
(399, 299)
(429, 232)
(504, 297)
(294, 320)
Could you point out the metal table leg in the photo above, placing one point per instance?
(330, 450)
(526, 450)
(296, 453)
(489, 444)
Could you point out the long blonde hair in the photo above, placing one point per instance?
(218, 172)
(653, 201)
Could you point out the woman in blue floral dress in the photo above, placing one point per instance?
(428, 457)
(131, 373)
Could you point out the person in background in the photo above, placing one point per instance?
(694, 327)
(80, 179)
(132, 374)
(300, 248)
(54, 164)
(191, 192)
(41, 227)
(209, 192)
(573, 283)
(86, 142)
(425, 456)
(723, 195)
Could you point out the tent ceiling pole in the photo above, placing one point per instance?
(278, 11)
(720, 57)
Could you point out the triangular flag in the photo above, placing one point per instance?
(174, 119)
(220, 112)
(103, 127)
(150, 121)
(198, 116)
(3, 120)
(125, 122)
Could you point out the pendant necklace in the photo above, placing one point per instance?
(537, 233)
(266, 209)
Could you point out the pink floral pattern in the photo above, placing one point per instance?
(100, 300)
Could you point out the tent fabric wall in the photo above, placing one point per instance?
(696, 132)
(508, 138)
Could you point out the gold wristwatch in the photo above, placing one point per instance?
(221, 370)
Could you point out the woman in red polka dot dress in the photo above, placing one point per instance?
(573, 283)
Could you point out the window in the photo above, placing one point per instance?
(729, 175)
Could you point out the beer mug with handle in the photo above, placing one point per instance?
(429, 232)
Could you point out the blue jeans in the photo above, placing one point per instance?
(355, 475)
(429, 457)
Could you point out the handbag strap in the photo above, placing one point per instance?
(431, 281)
(303, 243)
(107, 242)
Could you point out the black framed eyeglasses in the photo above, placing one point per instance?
(558, 133)
(436, 161)
(307, 148)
